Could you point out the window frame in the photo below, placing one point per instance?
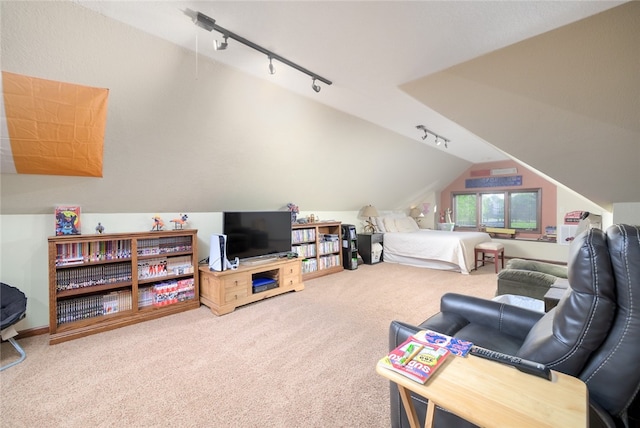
(507, 193)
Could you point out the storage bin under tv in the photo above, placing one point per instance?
(100, 282)
(223, 292)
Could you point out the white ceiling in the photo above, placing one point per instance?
(367, 49)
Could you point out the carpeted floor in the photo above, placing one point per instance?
(303, 359)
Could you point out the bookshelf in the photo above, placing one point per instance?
(319, 245)
(106, 281)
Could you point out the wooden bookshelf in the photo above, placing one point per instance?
(105, 281)
(319, 255)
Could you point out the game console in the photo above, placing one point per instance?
(218, 254)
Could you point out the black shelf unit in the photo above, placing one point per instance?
(349, 247)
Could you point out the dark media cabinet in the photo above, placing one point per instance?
(223, 292)
(365, 247)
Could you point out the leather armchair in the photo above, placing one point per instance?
(530, 278)
(592, 334)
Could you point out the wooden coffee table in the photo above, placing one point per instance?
(491, 394)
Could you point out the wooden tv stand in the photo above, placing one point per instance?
(223, 292)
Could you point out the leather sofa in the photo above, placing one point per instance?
(531, 278)
(593, 333)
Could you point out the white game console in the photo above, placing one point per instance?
(218, 254)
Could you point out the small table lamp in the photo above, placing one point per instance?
(369, 211)
(417, 215)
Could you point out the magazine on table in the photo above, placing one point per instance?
(454, 345)
(415, 359)
(422, 354)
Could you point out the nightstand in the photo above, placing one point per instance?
(365, 247)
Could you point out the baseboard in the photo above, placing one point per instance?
(36, 331)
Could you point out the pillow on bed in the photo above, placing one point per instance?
(378, 222)
(406, 224)
(390, 224)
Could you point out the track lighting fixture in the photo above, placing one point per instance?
(209, 24)
(220, 46)
(272, 69)
(439, 139)
(314, 86)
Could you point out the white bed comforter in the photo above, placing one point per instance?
(451, 247)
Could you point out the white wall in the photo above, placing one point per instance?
(626, 213)
(24, 261)
(23, 245)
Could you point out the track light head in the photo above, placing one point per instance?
(221, 46)
(314, 86)
(426, 133)
(272, 69)
(438, 139)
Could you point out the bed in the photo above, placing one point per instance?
(405, 243)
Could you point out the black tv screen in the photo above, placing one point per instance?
(253, 234)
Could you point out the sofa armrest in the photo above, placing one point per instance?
(399, 332)
(600, 418)
(508, 319)
(559, 271)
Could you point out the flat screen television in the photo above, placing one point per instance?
(253, 234)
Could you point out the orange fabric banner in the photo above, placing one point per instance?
(54, 128)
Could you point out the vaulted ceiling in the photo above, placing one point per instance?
(553, 85)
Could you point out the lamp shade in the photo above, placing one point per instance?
(369, 211)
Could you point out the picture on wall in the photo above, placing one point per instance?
(67, 220)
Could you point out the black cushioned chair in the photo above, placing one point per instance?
(13, 306)
(593, 333)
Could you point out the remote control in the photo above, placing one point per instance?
(523, 365)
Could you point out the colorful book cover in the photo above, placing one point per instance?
(454, 345)
(67, 220)
(415, 359)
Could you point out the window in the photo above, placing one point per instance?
(518, 210)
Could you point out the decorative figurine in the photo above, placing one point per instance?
(178, 223)
(448, 213)
(293, 208)
(99, 228)
(158, 224)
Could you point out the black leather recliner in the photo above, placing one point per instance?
(593, 333)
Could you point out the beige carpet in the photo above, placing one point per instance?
(304, 359)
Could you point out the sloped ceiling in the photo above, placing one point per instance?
(525, 79)
(566, 102)
(471, 67)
